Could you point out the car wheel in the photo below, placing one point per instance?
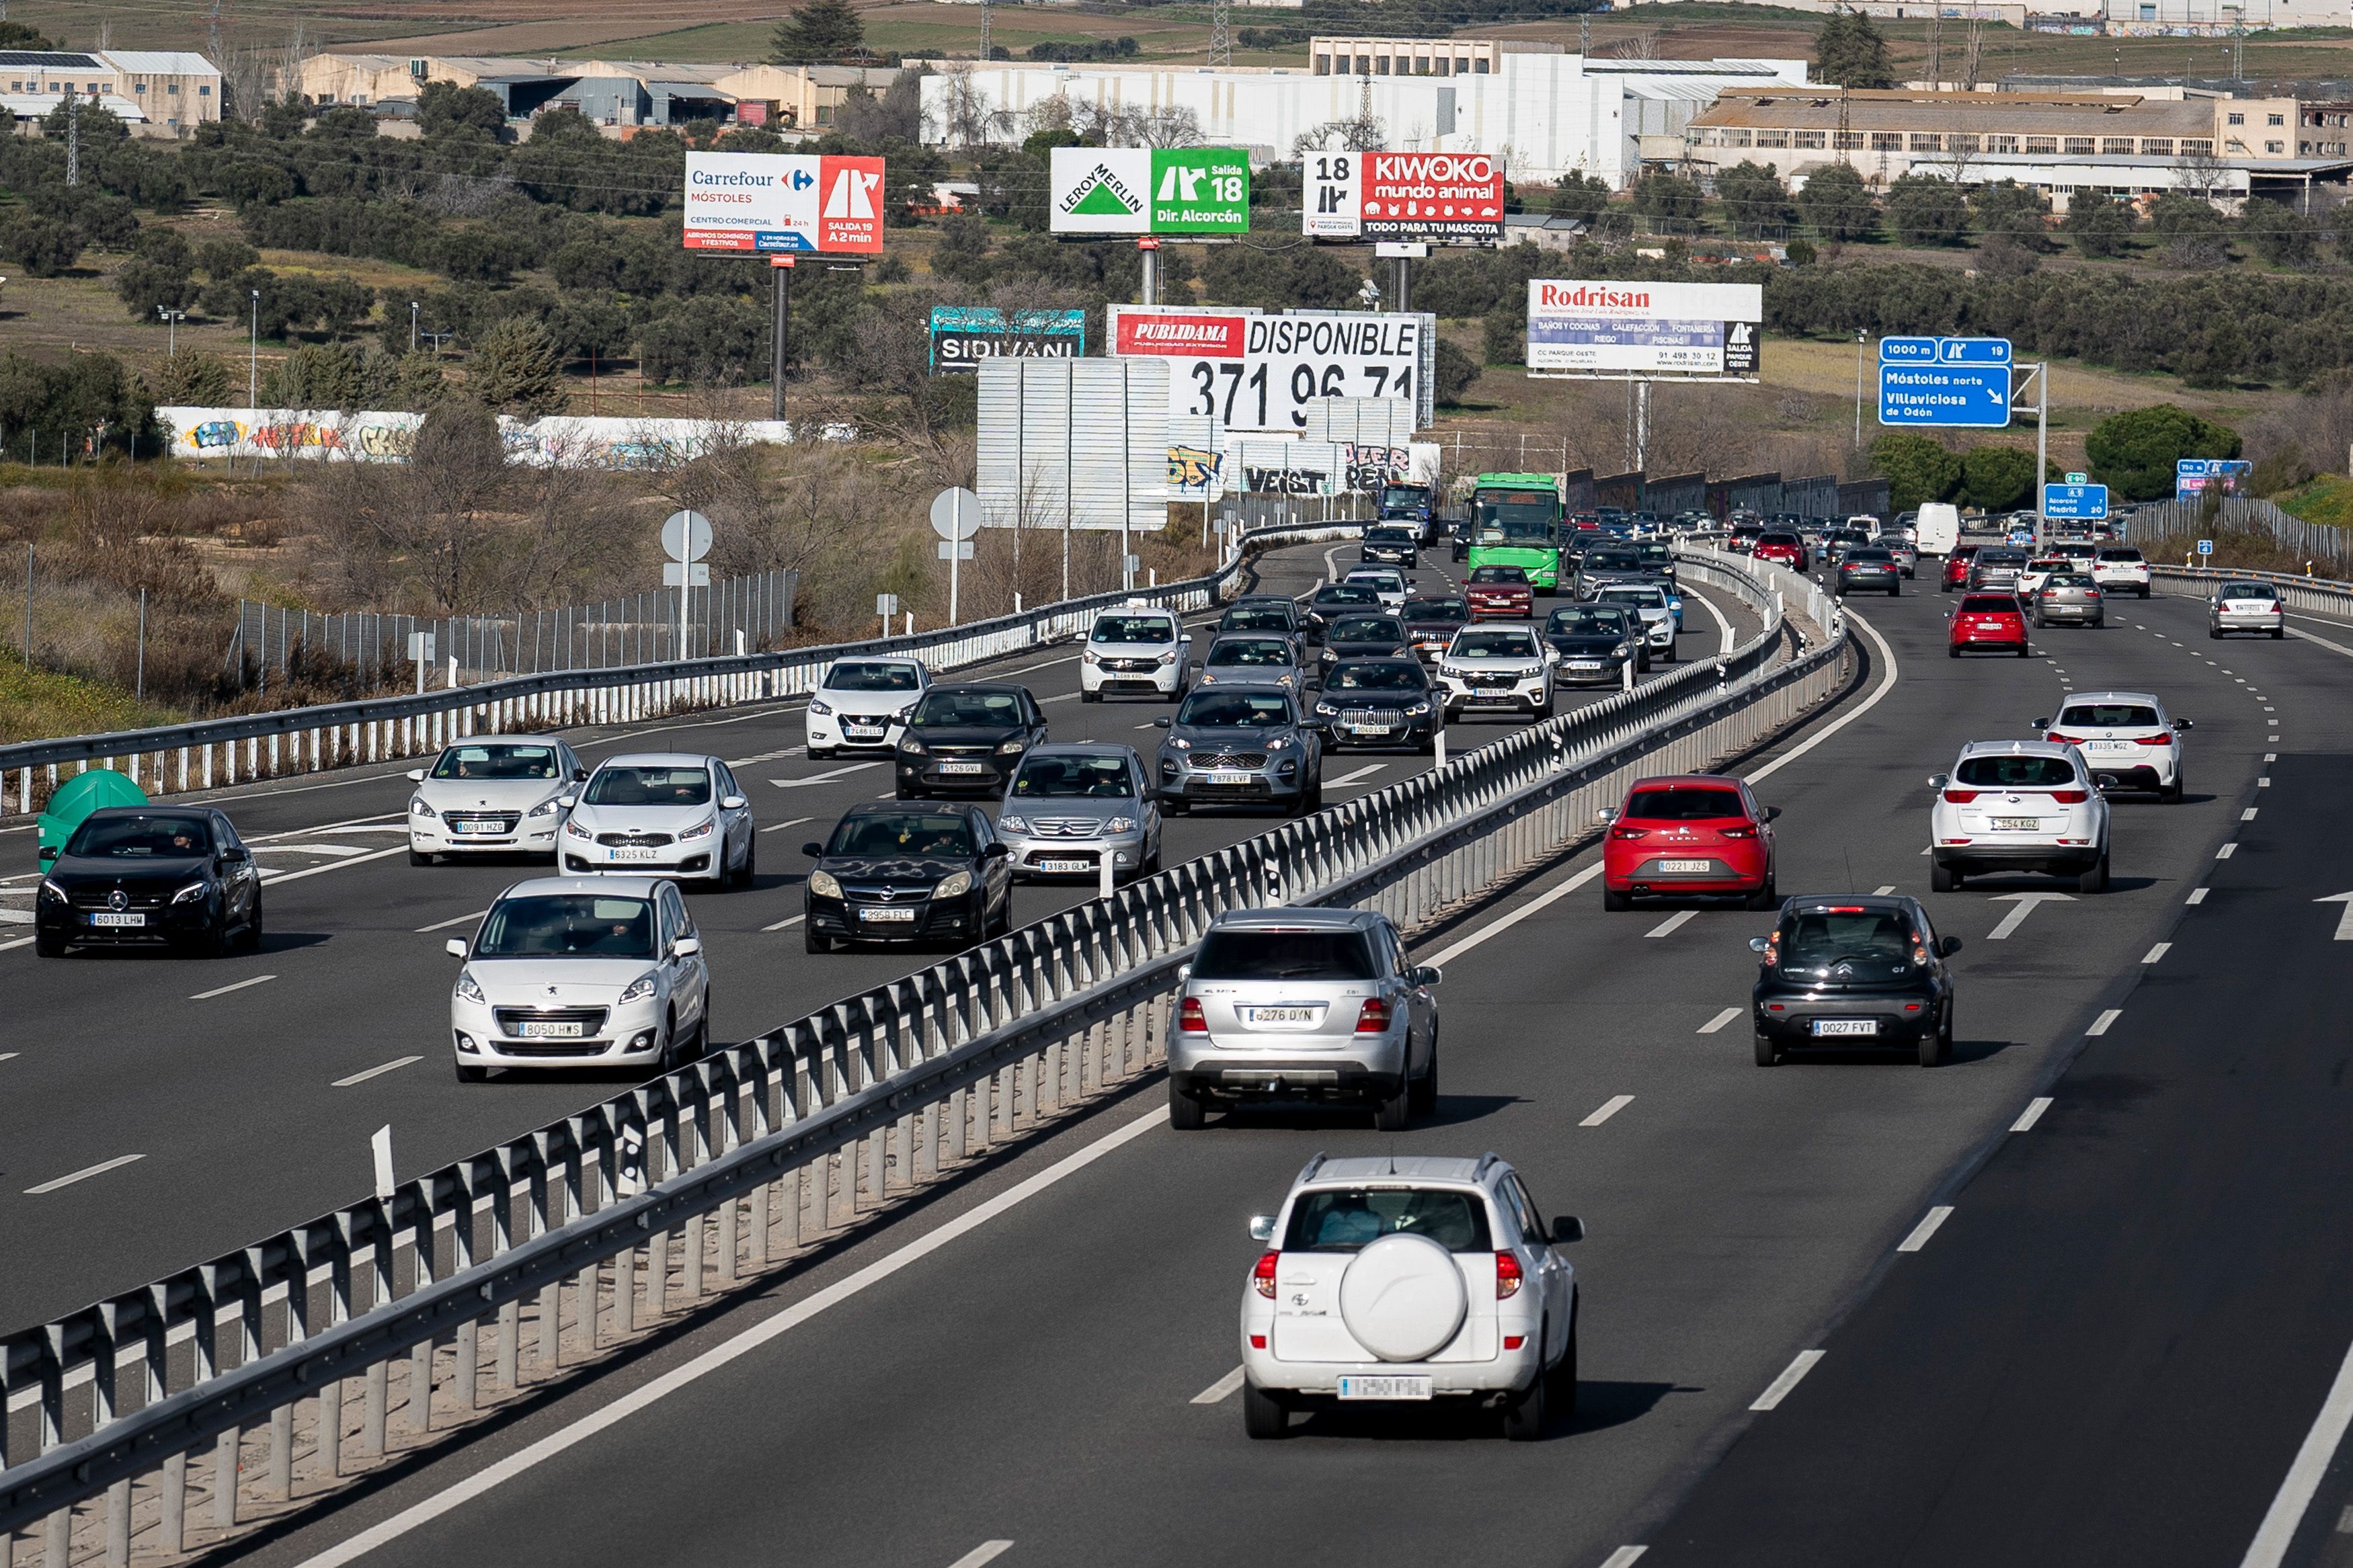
(253, 926)
(1953, 653)
(2171, 794)
(746, 871)
(1175, 806)
(1427, 746)
(471, 1075)
(2214, 634)
(1932, 1048)
(1089, 695)
(1186, 1111)
(1563, 1393)
(819, 754)
(1767, 897)
(812, 942)
(50, 946)
(1263, 1414)
(2279, 634)
(1943, 879)
(1523, 1417)
(2024, 651)
(420, 857)
(2095, 880)
(1616, 903)
(1896, 590)
(1767, 1053)
(1390, 1115)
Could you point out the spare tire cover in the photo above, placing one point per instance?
(1402, 1297)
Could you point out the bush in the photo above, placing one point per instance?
(1837, 203)
(2008, 208)
(2099, 225)
(1999, 478)
(42, 245)
(1503, 337)
(1926, 210)
(1455, 374)
(1755, 199)
(1671, 203)
(2279, 234)
(2135, 452)
(1918, 469)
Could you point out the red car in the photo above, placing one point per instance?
(1496, 591)
(1957, 566)
(1995, 621)
(1695, 833)
(1785, 548)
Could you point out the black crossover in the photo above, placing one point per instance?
(141, 874)
(1848, 970)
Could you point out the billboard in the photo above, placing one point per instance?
(1444, 198)
(1149, 190)
(963, 336)
(1253, 372)
(1076, 444)
(365, 436)
(1617, 328)
(783, 202)
(2194, 477)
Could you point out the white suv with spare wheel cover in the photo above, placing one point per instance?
(2019, 805)
(1400, 1280)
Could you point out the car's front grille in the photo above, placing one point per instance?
(590, 1019)
(1372, 716)
(133, 897)
(1232, 760)
(885, 893)
(964, 753)
(1067, 826)
(1494, 682)
(1140, 665)
(552, 1047)
(633, 840)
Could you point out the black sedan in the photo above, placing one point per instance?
(1391, 544)
(1431, 624)
(1595, 642)
(969, 737)
(1263, 612)
(1868, 569)
(1379, 702)
(136, 874)
(896, 873)
(1363, 636)
(1336, 599)
(1851, 970)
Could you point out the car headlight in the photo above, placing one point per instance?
(820, 709)
(1278, 743)
(912, 746)
(418, 807)
(700, 830)
(1120, 825)
(49, 889)
(1011, 748)
(1418, 710)
(822, 884)
(466, 990)
(642, 987)
(572, 829)
(1090, 656)
(1181, 743)
(1287, 680)
(1168, 658)
(1622, 650)
(1326, 710)
(1013, 825)
(547, 808)
(955, 885)
(190, 894)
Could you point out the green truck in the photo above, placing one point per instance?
(1515, 521)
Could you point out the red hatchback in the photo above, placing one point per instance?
(1957, 566)
(1689, 834)
(1989, 621)
(1785, 548)
(1494, 591)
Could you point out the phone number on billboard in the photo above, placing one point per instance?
(1258, 395)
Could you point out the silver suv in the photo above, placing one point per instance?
(1073, 804)
(1314, 1003)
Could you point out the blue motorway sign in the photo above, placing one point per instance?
(2075, 501)
(1972, 350)
(2205, 547)
(1945, 381)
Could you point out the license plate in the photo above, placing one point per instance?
(627, 855)
(110, 918)
(1227, 776)
(960, 767)
(478, 828)
(1846, 1026)
(1280, 1014)
(2127, 746)
(1066, 865)
(2016, 823)
(889, 916)
(1390, 1388)
(548, 1029)
(1585, 664)
(1682, 865)
(1365, 728)
(862, 732)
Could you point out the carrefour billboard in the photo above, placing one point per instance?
(783, 202)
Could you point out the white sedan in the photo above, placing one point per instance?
(498, 794)
(861, 704)
(1385, 581)
(661, 813)
(2129, 740)
(570, 970)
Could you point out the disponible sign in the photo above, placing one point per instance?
(1655, 329)
(783, 202)
(1149, 190)
(1252, 372)
(1453, 198)
(963, 336)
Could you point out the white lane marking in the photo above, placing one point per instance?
(1455, 949)
(1608, 1107)
(382, 822)
(234, 985)
(986, 1551)
(1045, 664)
(2156, 952)
(2100, 1025)
(2249, 815)
(9, 1055)
(2225, 852)
(724, 1354)
(17, 917)
(399, 828)
(2269, 1548)
(1624, 1557)
(1065, 696)
(2197, 896)
(2025, 903)
(1887, 685)
(2264, 783)
(1362, 773)
(766, 757)
(820, 778)
(780, 925)
(780, 826)
(2344, 914)
(445, 925)
(1667, 927)
(1720, 1020)
(1225, 1388)
(271, 879)
(2323, 642)
(374, 1072)
(20, 942)
(1925, 1228)
(2032, 1115)
(85, 1174)
(1883, 893)
(2271, 756)
(300, 849)
(1790, 1377)
(1722, 625)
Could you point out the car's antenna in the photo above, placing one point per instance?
(1849, 854)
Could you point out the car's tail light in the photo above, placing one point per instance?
(1962, 796)
(1263, 1274)
(1374, 1019)
(1507, 1275)
(2060, 740)
(1189, 1020)
(1738, 830)
(1623, 831)
(2071, 797)
(1514, 1341)
(2156, 739)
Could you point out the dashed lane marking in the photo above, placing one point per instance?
(234, 986)
(2100, 1025)
(445, 925)
(1791, 1376)
(1672, 923)
(85, 1174)
(781, 925)
(1720, 1020)
(780, 826)
(1225, 1388)
(986, 1551)
(2156, 952)
(2197, 896)
(1608, 1107)
(2032, 1115)
(1925, 1228)
(393, 1066)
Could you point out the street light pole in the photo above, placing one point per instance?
(412, 326)
(253, 359)
(1858, 336)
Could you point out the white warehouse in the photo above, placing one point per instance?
(1544, 114)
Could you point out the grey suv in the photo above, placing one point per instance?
(1320, 1004)
(1241, 745)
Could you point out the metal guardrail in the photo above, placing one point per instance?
(169, 1418)
(2313, 595)
(215, 752)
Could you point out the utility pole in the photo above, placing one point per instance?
(1936, 48)
(1222, 35)
(171, 319)
(780, 332)
(984, 32)
(1859, 337)
(73, 138)
(1584, 34)
(412, 326)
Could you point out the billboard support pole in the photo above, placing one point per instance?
(780, 330)
(1643, 425)
(1147, 250)
(1399, 299)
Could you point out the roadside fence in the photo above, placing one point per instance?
(2246, 514)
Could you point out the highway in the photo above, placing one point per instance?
(2111, 1349)
(158, 1111)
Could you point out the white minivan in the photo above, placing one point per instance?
(1939, 525)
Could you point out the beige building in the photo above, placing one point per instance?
(1418, 57)
(617, 94)
(158, 92)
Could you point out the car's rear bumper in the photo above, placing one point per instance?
(2070, 611)
(1980, 645)
(2039, 855)
(1304, 1382)
(1901, 1018)
(1368, 1068)
(1640, 874)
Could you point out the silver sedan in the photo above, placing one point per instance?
(2246, 608)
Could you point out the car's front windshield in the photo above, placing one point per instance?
(1512, 643)
(1587, 621)
(1366, 629)
(988, 709)
(1431, 610)
(567, 925)
(1075, 777)
(1388, 536)
(1651, 598)
(649, 786)
(1342, 594)
(872, 675)
(1250, 652)
(939, 835)
(1135, 629)
(141, 837)
(494, 762)
(1385, 675)
(1233, 710)
(1261, 619)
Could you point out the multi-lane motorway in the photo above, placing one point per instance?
(2079, 1295)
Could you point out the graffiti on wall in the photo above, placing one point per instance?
(381, 436)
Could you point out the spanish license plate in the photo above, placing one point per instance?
(1585, 664)
(1067, 865)
(2016, 823)
(478, 828)
(110, 918)
(1227, 776)
(1671, 867)
(1385, 1387)
(623, 854)
(548, 1029)
(1846, 1026)
(1280, 1014)
(887, 916)
(2115, 745)
(961, 768)
(1366, 728)
(862, 732)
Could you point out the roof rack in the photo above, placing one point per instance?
(1307, 1172)
(1479, 1170)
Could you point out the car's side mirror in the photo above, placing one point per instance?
(455, 947)
(813, 850)
(1607, 814)
(2041, 724)
(567, 801)
(1938, 781)
(1948, 946)
(1428, 974)
(235, 855)
(731, 803)
(1162, 722)
(1772, 814)
(1567, 1228)
(686, 947)
(579, 775)
(1184, 972)
(996, 852)
(48, 853)
(1759, 943)
(416, 776)
(1261, 1227)
(2182, 724)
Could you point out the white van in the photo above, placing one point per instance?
(1940, 528)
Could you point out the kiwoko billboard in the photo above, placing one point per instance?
(1443, 198)
(783, 202)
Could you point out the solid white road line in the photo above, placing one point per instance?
(20, 942)
(2154, 953)
(225, 990)
(1790, 1377)
(1362, 773)
(780, 925)
(820, 778)
(9, 1055)
(2197, 896)
(271, 879)
(1455, 949)
(1887, 685)
(1225, 1388)
(1925, 1228)
(374, 1072)
(301, 848)
(2100, 1025)
(2323, 642)
(724, 1354)
(1722, 625)
(2269, 1548)
(780, 826)
(766, 757)
(1624, 1557)
(1720, 1020)
(445, 925)
(1667, 927)
(2032, 1115)
(1610, 1108)
(986, 1551)
(382, 822)
(84, 1175)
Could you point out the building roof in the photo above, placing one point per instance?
(1600, 66)
(48, 59)
(34, 105)
(161, 62)
(2008, 111)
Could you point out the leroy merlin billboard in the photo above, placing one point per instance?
(1150, 190)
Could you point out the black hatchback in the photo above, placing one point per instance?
(967, 738)
(1868, 568)
(137, 874)
(1849, 971)
(897, 873)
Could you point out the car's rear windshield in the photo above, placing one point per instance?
(141, 838)
(2247, 591)
(2110, 716)
(1376, 674)
(2016, 773)
(1788, 541)
(1512, 644)
(555, 925)
(1817, 938)
(1091, 778)
(2069, 580)
(2114, 554)
(1632, 593)
(1684, 802)
(1436, 610)
(1614, 560)
(936, 833)
(2001, 558)
(872, 675)
(1233, 709)
(980, 708)
(649, 786)
(494, 762)
(1134, 628)
(1989, 604)
(1368, 629)
(1594, 619)
(1253, 652)
(1347, 1219)
(1240, 955)
(1261, 618)
(1498, 575)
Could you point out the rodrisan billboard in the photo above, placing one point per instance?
(783, 202)
(1643, 329)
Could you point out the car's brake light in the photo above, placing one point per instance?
(1741, 830)
(1960, 796)
(1623, 831)
(1507, 1275)
(1845, 910)
(2071, 797)
(1374, 1019)
(2059, 739)
(2156, 739)
(1189, 1020)
(1262, 1275)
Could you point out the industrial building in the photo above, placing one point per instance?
(615, 94)
(155, 92)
